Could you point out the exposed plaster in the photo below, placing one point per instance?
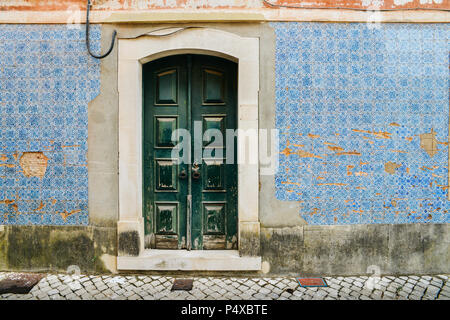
(429, 143)
(402, 2)
(33, 164)
(390, 167)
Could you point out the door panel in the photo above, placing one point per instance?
(166, 176)
(166, 218)
(213, 175)
(165, 109)
(185, 92)
(214, 104)
(167, 87)
(164, 126)
(213, 86)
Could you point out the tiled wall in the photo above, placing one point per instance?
(46, 81)
(363, 114)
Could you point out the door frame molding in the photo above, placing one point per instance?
(132, 54)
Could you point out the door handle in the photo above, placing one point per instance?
(182, 175)
(195, 174)
(195, 171)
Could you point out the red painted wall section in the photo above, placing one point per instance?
(54, 5)
(365, 4)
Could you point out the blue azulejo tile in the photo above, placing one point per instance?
(83, 219)
(387, 82)
(38, 86)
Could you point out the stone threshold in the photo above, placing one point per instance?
(183, 260)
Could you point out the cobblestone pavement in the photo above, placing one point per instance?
(63, 286)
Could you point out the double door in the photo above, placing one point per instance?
(189, 153)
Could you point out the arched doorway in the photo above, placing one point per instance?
(190, 183)
(133, 54)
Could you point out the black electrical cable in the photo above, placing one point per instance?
(178, 29)
(87, 36)
(274, 5)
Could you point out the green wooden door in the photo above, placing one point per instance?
(193, 204)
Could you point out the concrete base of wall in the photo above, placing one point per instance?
(57, 248)
(301, 250)
(355, 249)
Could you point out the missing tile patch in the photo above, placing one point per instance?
(390, 167)
(429, 143)
(33, 164)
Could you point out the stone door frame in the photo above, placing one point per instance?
(133, 53)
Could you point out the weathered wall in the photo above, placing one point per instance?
(361, 4)
(285, 200)
(58, 248)
(194, 11)
(52, 96)
(304, 75)
(46, 81)
(103, 142)
(352, 249)
(363, 115)
(216, 4)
